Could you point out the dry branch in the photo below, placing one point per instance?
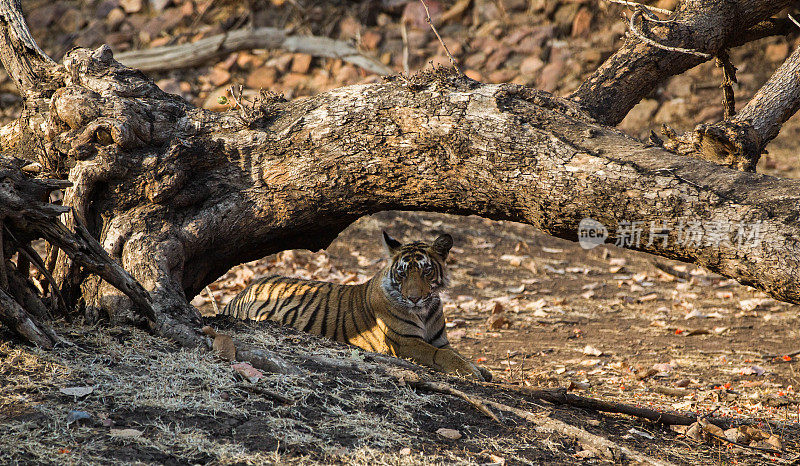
(178, 195)
(13, 315)
(198, 53)
(775, 102)
(561, 397)
(707, 26)
(605, 447)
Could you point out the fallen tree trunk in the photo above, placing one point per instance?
(178, 195)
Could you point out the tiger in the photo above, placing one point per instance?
(398, 311)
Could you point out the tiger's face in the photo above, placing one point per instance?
(416, 272)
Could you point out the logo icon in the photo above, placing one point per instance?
(591, 233)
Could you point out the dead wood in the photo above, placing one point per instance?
(775, 102)
(177, 195)
(606, 448)
(27, 216)
(561, 397)
(204, 50)
(708, 26)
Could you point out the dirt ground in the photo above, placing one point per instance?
(607, 323)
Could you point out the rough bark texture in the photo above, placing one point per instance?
(26, 215)
(177, 195)
(775, 102)
(637, 68)
(294, 174)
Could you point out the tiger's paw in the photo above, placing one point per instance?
(453, 363)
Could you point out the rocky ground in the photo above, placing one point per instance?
(539, 312)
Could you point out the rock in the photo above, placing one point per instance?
(79, 417)
(301, 62)
(347, 74)
(451, 434)
(415, 17)
(349, 27)
(501, 76)
(497, 58)
(170, 86)
(370, 40)
(581, 22)
(530, 66)
(131, 6)
(475, 61)
(680, 86)
(564, 15)
(104, 8)
(77, 392)
(72, 20)
(159, 5)
(114, 18)
(474, 74)
(212, 102)
(218, 76)
(262, 77)
(294, 80)
(125, 433)
(550, 76)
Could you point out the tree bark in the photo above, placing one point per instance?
(177, 195)
(708, 26)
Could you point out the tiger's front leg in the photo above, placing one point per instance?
(441, 359)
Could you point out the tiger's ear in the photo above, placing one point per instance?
(391, 244)
(442, 245)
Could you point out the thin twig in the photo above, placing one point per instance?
(404, 36)
(265, 392)
(636, 5)
(561, 397)
(793, 20)
(728, 78)
(27, 251)
(604, 446)
(773, 356)
(447, 51)
(443, 388)
(640, 13)
(3, 276)
(213, 300)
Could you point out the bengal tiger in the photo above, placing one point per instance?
(397, 311)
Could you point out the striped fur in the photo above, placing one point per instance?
(398, 311)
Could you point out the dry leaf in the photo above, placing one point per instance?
(497, 321)
(248, 372)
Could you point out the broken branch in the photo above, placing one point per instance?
(200, 52)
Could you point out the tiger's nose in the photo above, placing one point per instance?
(415, 299)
